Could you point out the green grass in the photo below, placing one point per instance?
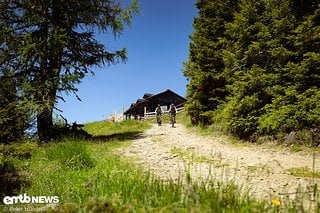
(304, 172)
(117, 184)
(105, 128)
(191, 156)
(92, 177)
(71, 155)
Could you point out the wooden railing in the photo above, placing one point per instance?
(153, 114)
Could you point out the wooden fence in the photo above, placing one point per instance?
(153, 114)
(114, 117)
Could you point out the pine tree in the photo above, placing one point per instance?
(57, 45)
(248, 60)
(295, 105)
(266, 57)
(14, 114)
(204, 68)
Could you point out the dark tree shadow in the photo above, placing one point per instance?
(69, 132)
(76, 132)
(118, 136)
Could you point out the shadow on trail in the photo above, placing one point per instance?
(79, 133)
(118, 137)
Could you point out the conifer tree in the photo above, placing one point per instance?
(204, 68)
(250, 67)
(14, 116)
(295, 105)
(56, 46)
(265, 54)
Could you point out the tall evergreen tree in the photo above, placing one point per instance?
(250, 66)
(204, 68)
(57, 45)
(295, 105)
(14, 114)
(265, 55)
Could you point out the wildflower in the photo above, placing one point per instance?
(276, 202)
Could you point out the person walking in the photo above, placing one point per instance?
(158, 114)
(173, 111)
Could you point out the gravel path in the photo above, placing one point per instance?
(263, 170)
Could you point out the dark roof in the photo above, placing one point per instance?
(147, 97)
(141, 100)
(168, 90)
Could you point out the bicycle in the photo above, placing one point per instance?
(173, 119)
(159, 120)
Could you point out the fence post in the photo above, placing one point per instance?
(122, 113)
(145, 112)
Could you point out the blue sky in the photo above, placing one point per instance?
(157, 44)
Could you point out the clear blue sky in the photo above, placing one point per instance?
(157, 44)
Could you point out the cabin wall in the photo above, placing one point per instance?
(151, 103)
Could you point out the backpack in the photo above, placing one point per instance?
(173, 110)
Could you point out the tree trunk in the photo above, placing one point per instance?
(45, 124)
(44, 117)
(50, 78)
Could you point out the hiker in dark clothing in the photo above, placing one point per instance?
(158, 114)
(173, 111)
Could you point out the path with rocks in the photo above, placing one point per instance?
(262, 169)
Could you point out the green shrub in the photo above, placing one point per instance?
(238, 117)
(293, 112)
(306, 137)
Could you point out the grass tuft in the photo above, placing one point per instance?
(304, 172)
(72, 155)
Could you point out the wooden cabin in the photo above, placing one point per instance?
(150, 102)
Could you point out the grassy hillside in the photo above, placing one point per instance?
(106, 128)
(89, 176)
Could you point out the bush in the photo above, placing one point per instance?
(309, 137)
(238, 117)
(293, 112)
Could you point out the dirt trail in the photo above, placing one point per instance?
(166, 151)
